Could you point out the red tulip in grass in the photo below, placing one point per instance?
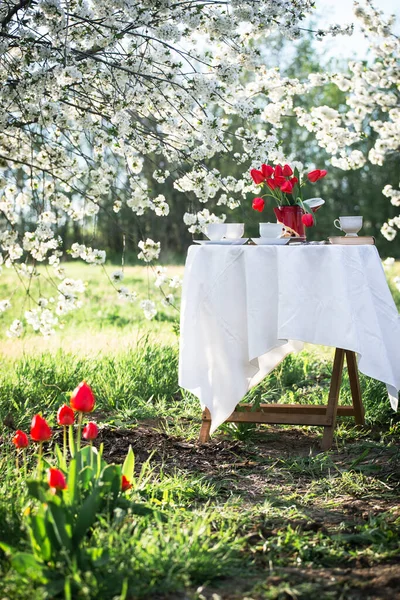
(40, 432)
(125, 484)
(90, 431)
(21, 441)
(65, 418)
(82, 401)
(56, 480)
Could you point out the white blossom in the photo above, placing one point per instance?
(4, 305)
(117, 276)
(150, 250)
(149, 309)
(16, 329)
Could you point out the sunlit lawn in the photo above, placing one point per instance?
(104, 323)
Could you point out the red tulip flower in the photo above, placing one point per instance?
(82, 398)
(40, 431)
(271, 183)
(313, 176)
(267, 170)
(125, 484)
(56, 479)
(65, 415)
(293, 180)
(90, 431)
(307, 220)
(287, 171)
(257, 176)
(20, 439)
(278, 171)
(258, 204)
(287, 187)
(279, 180)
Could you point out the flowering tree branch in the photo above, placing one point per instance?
(94, 92)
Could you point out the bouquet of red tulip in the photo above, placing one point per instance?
(285, 186)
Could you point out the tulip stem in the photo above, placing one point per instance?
(25, 467)
(78, 438)
(71, 441)
(65, 443)
(17, 461)
(40, 460)
(91, 454)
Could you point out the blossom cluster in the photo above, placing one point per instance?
(94, 93)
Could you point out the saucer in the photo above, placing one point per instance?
(238, 242)
(270, 241)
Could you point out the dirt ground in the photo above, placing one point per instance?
(245, 469)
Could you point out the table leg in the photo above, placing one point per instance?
(355, 387)
(205, 427)
(333, 399)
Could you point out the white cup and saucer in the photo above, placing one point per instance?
(271, 235)
(224, 234)
(349, 225)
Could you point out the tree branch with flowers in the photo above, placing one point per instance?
(91, 94)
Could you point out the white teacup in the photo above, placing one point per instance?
(270, 230)
(350, 225)
(215, 231)
(234, 231)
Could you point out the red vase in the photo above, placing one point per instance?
(290, 216)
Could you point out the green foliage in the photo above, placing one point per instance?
(59, 522)
(131, 384)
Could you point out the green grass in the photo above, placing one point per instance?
(104, 323)
(258, 513)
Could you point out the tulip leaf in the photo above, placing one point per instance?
(40, 541)
(86, 476)
(60, 526)
(86, 516)
(62, 464)
(27, 564)
(37, 490)
(128, 467)
(100, 462)
(7, 549)
(73, 490)
(111, 480)
(85, 454)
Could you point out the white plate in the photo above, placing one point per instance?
(270, 241)
(238, 242)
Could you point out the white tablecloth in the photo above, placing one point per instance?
(244, 308)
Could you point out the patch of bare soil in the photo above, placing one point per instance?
(375, 583)
(217, 454)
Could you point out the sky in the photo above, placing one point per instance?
(330, 12)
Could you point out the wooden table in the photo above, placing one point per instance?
(303, 414)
